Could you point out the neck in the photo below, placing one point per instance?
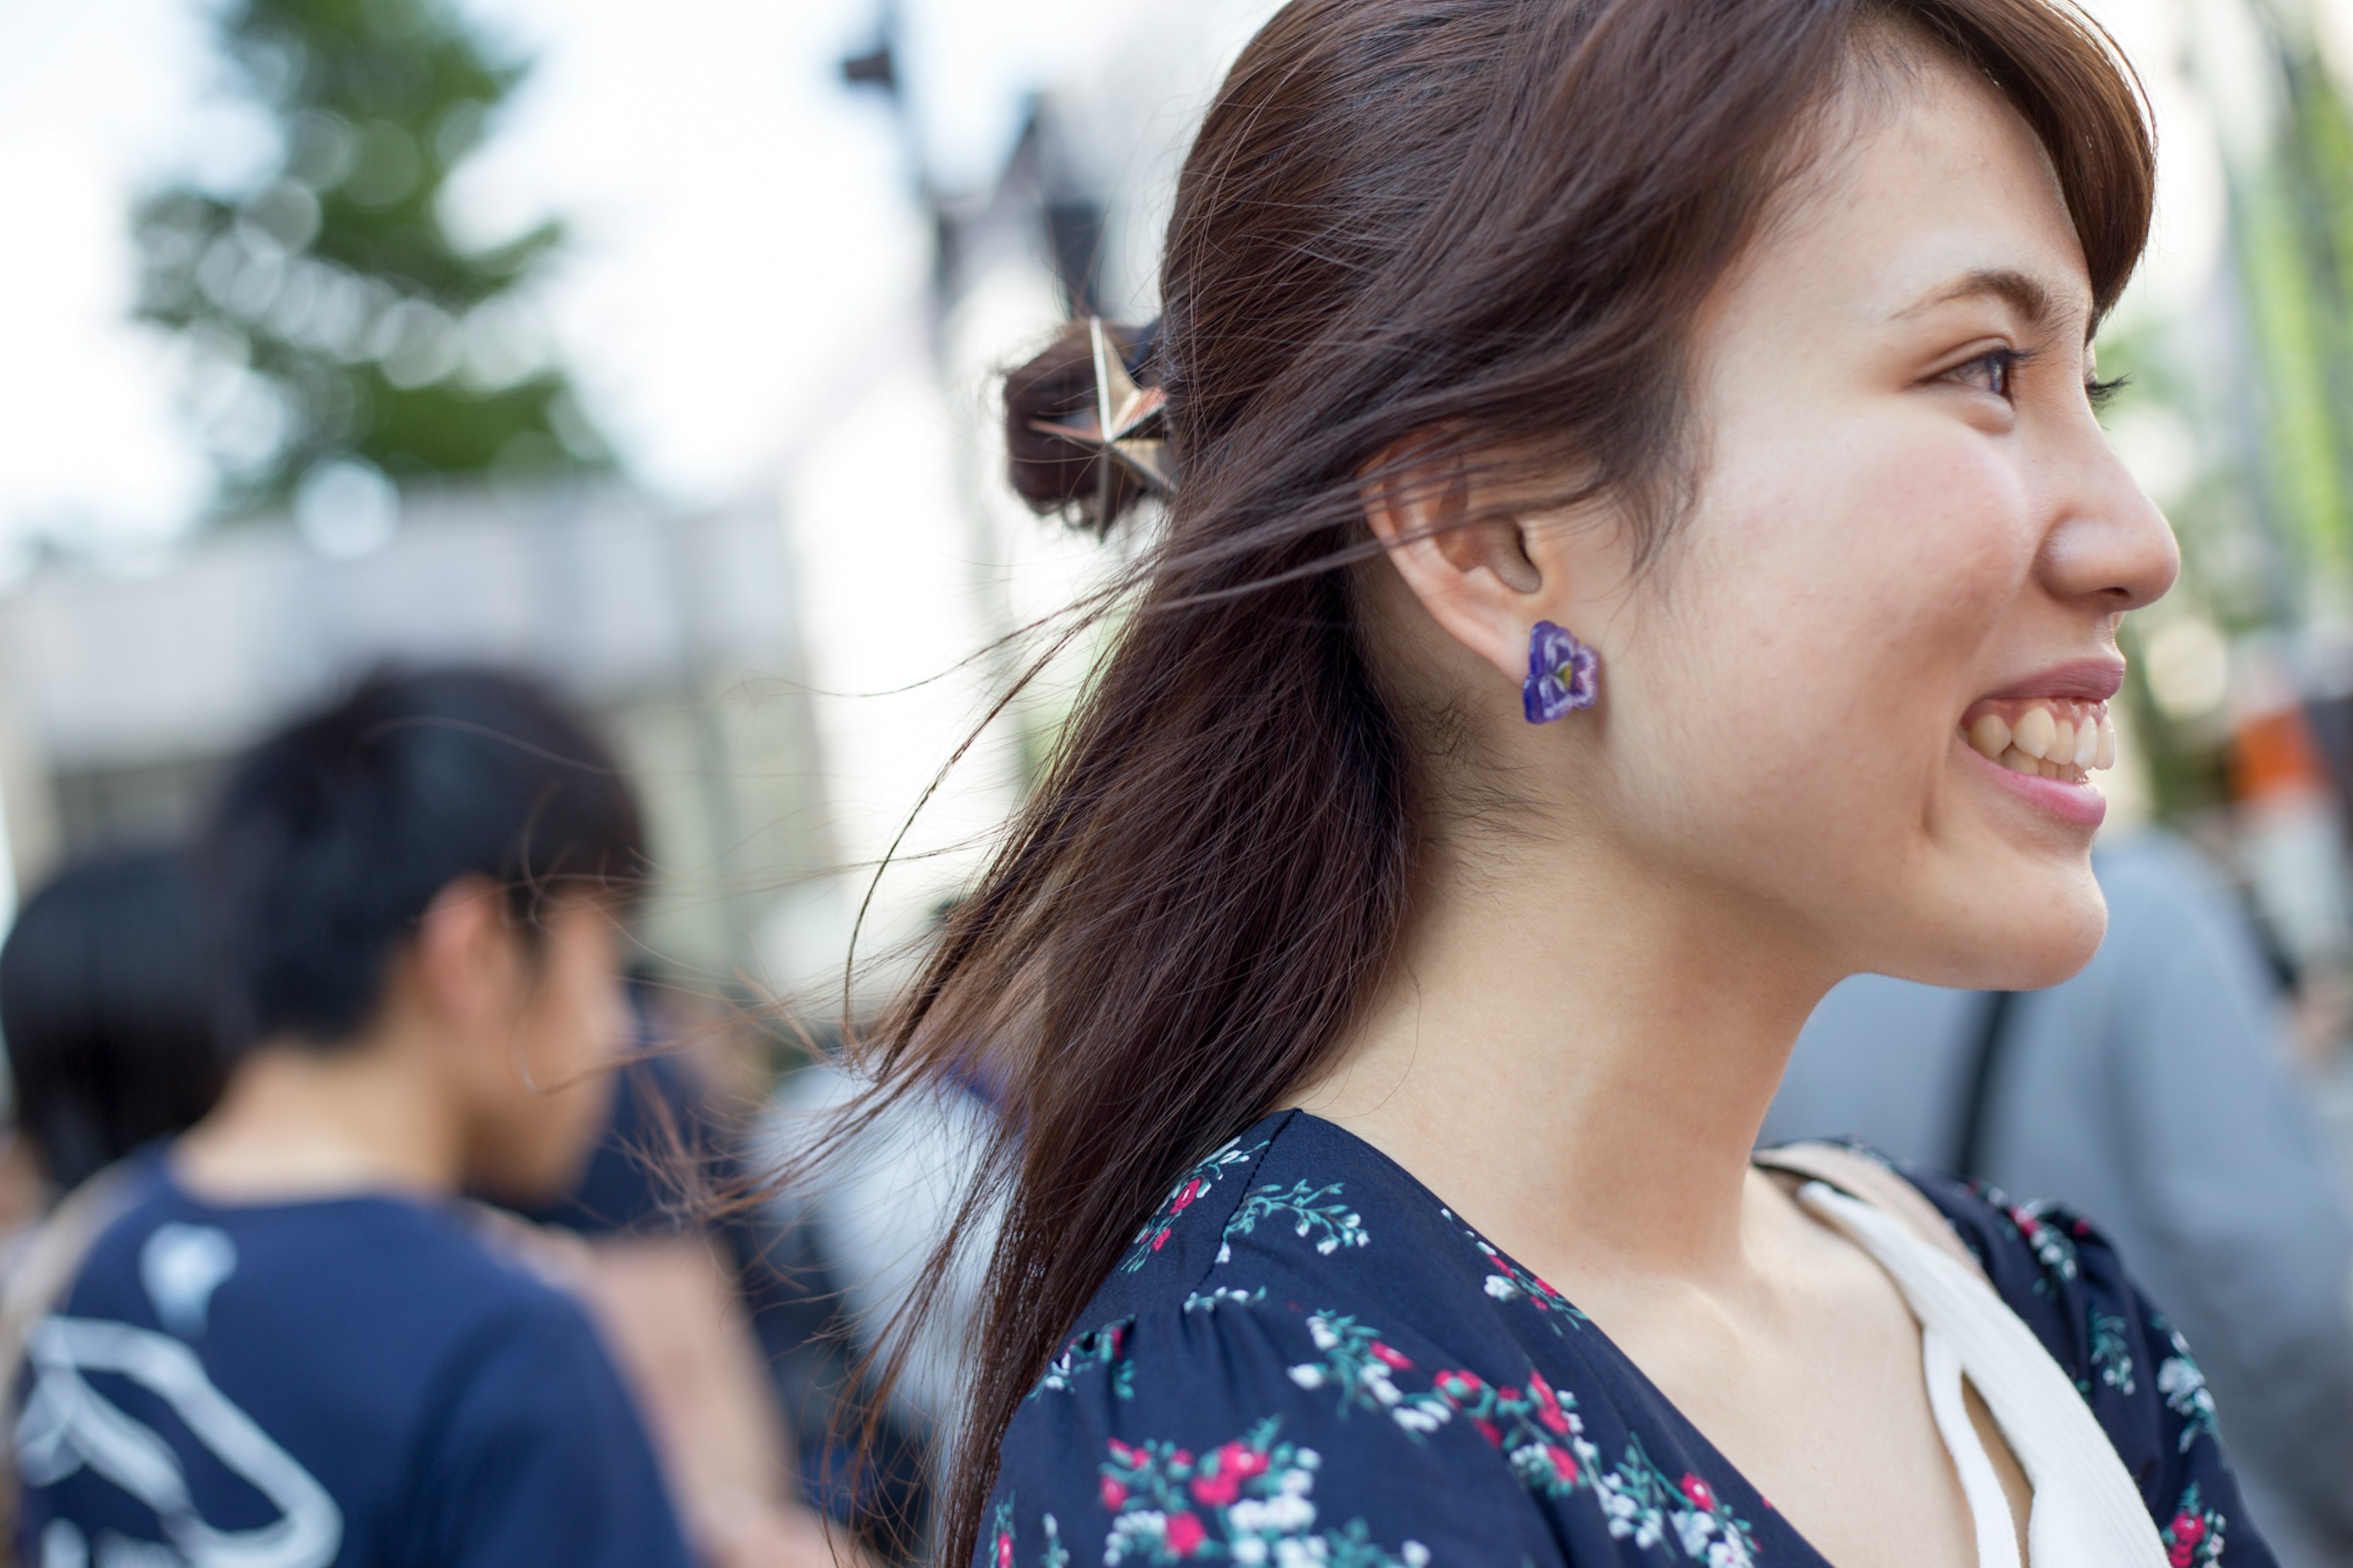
(301, 1121)
(1578, 1057)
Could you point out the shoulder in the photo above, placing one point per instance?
(531, 1448)
(1251, 1376)
(416, 1280)
(1269, 1429)
(2131, 1365)
(1306, 1356)
(1297, 1210)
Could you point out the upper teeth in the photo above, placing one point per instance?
(2045, 736)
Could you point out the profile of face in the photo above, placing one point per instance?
(531, 1030)
(1905, 526)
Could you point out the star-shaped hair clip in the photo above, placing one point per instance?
(1125, 426)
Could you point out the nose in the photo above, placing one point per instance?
(2108, 545)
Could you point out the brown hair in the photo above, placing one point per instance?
(1495, 219)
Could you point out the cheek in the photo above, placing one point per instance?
(1851, 582)
(1820, 626)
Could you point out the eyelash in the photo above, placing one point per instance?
(2004, 364)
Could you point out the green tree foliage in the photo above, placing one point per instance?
(326, 309)
(2293, 219)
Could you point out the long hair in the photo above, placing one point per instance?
(1486, 224)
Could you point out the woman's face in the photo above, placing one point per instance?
(1908, 524)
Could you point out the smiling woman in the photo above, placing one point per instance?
(1640, 549)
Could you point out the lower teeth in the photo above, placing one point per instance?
(2018, 762)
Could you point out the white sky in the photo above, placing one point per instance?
(740, 219)
(741, 222)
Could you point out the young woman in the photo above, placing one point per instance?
(1642, 549)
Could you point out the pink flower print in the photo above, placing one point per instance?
(1458, 1385)
(1123, 1453)
(1161, 1239)
(1487, 1430)
(1548, 1409)
(1699, 1493)
(2188, 1527)
(1114, 1495)
(1184, 1199)
(1003, 1549)
(1185, 1535)
(1242, 1460)
(1217, 1489)
(1564, 1464)
(1390, 1358)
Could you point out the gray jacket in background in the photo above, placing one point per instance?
(2151, 1095)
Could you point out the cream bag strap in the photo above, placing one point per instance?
(2086, 1512)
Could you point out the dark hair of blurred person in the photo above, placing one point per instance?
(333, 836)
(417, 895)
(106, 1005)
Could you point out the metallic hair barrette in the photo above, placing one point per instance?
(1126, 426)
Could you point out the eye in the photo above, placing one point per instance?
(2100, 392)
(1990, 372)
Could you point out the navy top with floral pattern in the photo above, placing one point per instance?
(1306, 1358)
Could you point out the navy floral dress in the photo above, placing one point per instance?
(1307, 1359)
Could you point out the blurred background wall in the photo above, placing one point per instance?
(654, 348)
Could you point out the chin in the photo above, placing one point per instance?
(2013, 938)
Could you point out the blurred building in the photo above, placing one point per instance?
(123, 697)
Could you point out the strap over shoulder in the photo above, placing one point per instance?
(1864, 1179)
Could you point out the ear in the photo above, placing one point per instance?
(467, 957)
(1472, 574)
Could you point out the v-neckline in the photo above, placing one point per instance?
(1761, 1515)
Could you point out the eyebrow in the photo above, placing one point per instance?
(2024, 293)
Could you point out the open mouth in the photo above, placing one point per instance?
(2048, 736)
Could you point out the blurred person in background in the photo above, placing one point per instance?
(2150, 1094)
(280, 1331)
(871, 1218)
(726, 1312)
(107, 1008)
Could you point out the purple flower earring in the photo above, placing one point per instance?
(1564, 675)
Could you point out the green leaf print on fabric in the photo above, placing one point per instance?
(1000, 1552)
(1208, 1301)
(1184, 1196)
(1094, 1350)
(2111, 1352)
(1507, 1281)
(2183, 1384)
(2052, 1247)
(1319, 1212)
(1537, 1430)
(1249, 1501)
(1363, 1370)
